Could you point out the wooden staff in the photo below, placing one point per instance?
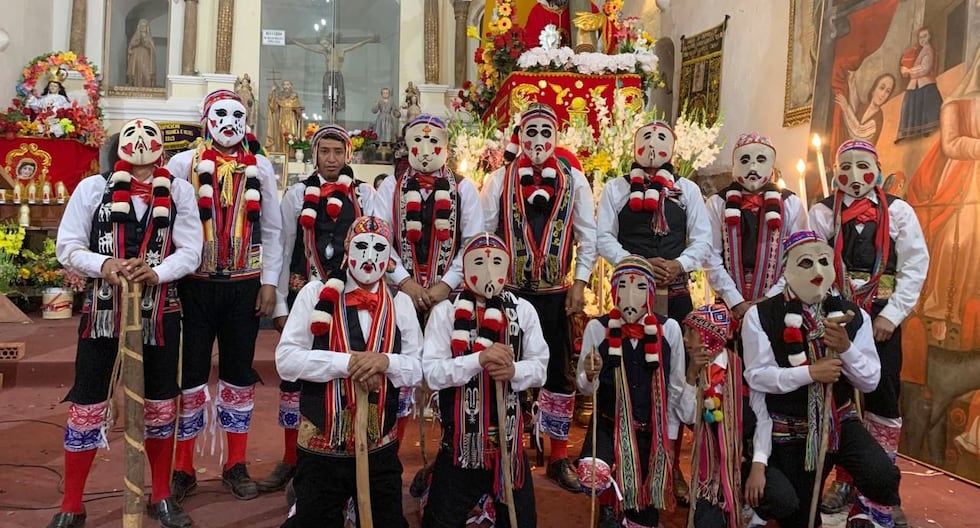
(364, 514)
(828, 393)
(131, 350)
(696, 453)
(505, 454)
(595, 419)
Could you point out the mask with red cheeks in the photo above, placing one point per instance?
(858, 172)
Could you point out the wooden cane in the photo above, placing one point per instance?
(131, 350)
(595, 420)
(828, 392)
(505, 460)
(364, 513)
(696, 453)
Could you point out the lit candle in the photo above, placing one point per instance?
(801, 168)
(820, 165)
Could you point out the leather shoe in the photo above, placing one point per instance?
(277, 480)
(562, 472)
(607, 518)
(182, 484)
(169, 513)
(241, 485)
(68, 520)
(837, 498)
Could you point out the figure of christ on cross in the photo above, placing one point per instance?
(334, 99)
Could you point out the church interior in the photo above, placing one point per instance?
(900, 75)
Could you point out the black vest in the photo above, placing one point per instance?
(771, 313)
(325, 231)
(639, 375)
(637, 237)
(859, 250)
(311, 400)
(750, 229)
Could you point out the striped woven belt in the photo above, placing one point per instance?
(886, 283)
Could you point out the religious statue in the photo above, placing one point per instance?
(412, 108)
(285, 116)
(334, 99)
(387, 121)
(141, 57)
(54, 97)
(243, 87)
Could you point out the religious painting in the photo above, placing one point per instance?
(905, 76)
(700, 82)
(136, 47)
(801, 60)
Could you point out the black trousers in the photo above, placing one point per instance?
(323, 485)
(95, 357)
(778, 501)
(455, 491)
(605, 450)
(224, 310)
(554, 325)
(858, 453)
(679, 306)
(883, 401)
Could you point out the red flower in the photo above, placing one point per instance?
(515, 53)
(466, 85)
(16, 103)
(498, 42)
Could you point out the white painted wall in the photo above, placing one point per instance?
(29, 25)
(753, 71)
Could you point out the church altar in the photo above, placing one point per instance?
(567, 92)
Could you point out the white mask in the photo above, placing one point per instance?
(753, 165)
(485, 269)
(653, 145)
(427, 147)
(857, 173)
(810, 271)
(632, 295)
(367, 258)
(140, 142)
(537, 138)
(226, 122)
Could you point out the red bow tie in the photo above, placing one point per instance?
(141, 189)
(633, 330)
(752, 202)
(363, 299)
(863, 211)
(716, 375)
(327, 189)
(426, 181)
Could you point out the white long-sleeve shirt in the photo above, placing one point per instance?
(794, 219)
(861, 364)
(271, 220)
(616, 194)
(442, 370)
(291, 206)
(296, 359)
(761, 438)
(583, 216)
(469, 222)
(72, 247)
(911, 253)
(595, 334)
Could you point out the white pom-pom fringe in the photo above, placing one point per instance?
(442, 223)
(652, 358)
(463, 304)
(616, 351)
(615, 323)
(344, 180)
(413, 225)
(413, 197)
(793, 320)
(442, 195)
(549, 172)
(732, 193)
(525, 171)
(251, 171)
(205, 191)
(797, 359)
(319, 316)
(535, 194)
(120, 207)
(461, 335)
(493, 314)
(204, 166)
(161, 212)
(120, 177)
(335, 284)
(253, 194)
(308, 211)
(312, 191)
(161, 182)
(773, 215)
(638, 173)
(731, 213)
(772, 195)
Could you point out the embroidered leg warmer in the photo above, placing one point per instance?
(555, 413)
(193, 406)
(161, 418)
(84, 434)
(235, 406)
(289, 421)
(885, 431)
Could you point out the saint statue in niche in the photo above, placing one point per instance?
(285, 116)
(141, 57)
(334, 99)
(388, 114)
(243, 87)
(54, 97)
(412, 108)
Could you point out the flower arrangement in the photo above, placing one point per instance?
(697, 143)
(496, 56)
(301, 142)
(42, 64)
(11, 241)
(477, 146)
(43, 270)
(363, 140)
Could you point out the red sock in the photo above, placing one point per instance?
(236, 448)
(184, 460)
(559, 450)
(289, 454)
(77, 466)
(158, 452)
(844, 476)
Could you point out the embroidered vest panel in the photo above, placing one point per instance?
(859, 249)
(639, 373)
(311, 399)
(326, 231)
(771, 312)
(637, 237)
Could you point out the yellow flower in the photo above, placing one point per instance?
(357, 142)
(472, 32)
(504, 24)
(504, 9)
(67, 125)
(68, 56)
(24, 273)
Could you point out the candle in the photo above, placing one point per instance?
(31, 193)
(61, 192)
(801, 169)
(17, 193)
(3, 196)
(46, 193)
(820, 165)
(24, 219)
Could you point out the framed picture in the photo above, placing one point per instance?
(801, 60)
(279, 166)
